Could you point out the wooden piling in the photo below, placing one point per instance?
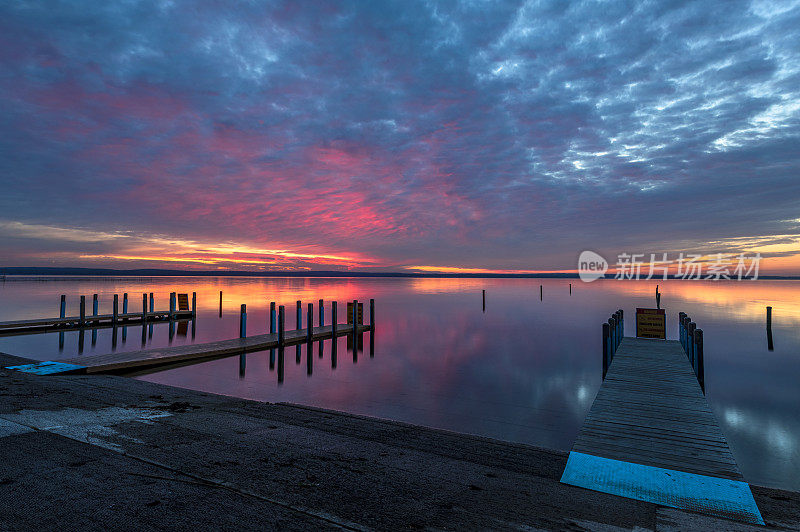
(62, 313)
(484, 300)
(95, 305)
(144, 310)
(612, 327)
(770, 344)
(355, 326)
(152, 303)
(220, 303)
(334, 322)
(321, 313)
(115, 310)
(272, 318)
(570, 288)
(541, 292)
(680, 329)
(172, 306)
(281, 326)
(699, 365)
(310, 323)
(299, 315)
(194, 305)
(605, 349)
(769, 317)
(82, 318)
(243, 321)
(690, 333)
(371, 315)
(125, 303)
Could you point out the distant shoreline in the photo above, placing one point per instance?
(20, 271)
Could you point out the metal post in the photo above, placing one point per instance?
(605, 349)
(701, 378)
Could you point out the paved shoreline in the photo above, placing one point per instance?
(100, 452)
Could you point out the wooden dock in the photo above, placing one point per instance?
(125, 361)
(100, 321)
(651, 435)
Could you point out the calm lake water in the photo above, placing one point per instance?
(523, 370)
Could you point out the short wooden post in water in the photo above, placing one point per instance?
(541, 292)
(243, 321)
(770, 345)
(310, 323)
(115, 309)
(334, 324)
(605, 349)
(125, 303)
(220, 303)
(299, 315)
(281, 325)
(272, 327)
(95, 305)
(82, 318)
(194, 304)
(484, 300)
(371, 314)
(700, 366)
(62, 313)
(570, 288)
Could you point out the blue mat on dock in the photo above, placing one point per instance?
(47, 368)
(721, 497)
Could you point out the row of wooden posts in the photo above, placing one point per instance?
(613, 331)
(691, 339)
(115, 314)
(277, 319)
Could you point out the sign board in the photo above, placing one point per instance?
(360, 313)
(651, 323)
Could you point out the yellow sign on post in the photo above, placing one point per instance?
(360, 313)
(651, 323)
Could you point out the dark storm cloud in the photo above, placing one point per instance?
(476, 134)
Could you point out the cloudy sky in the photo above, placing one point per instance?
(397, 136)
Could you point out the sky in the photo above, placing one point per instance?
(397, 136)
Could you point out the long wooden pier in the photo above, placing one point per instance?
(651, 435)
(128, 361)
(178, 310)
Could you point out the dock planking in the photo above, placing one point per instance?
(125, 361)
(650, 434)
